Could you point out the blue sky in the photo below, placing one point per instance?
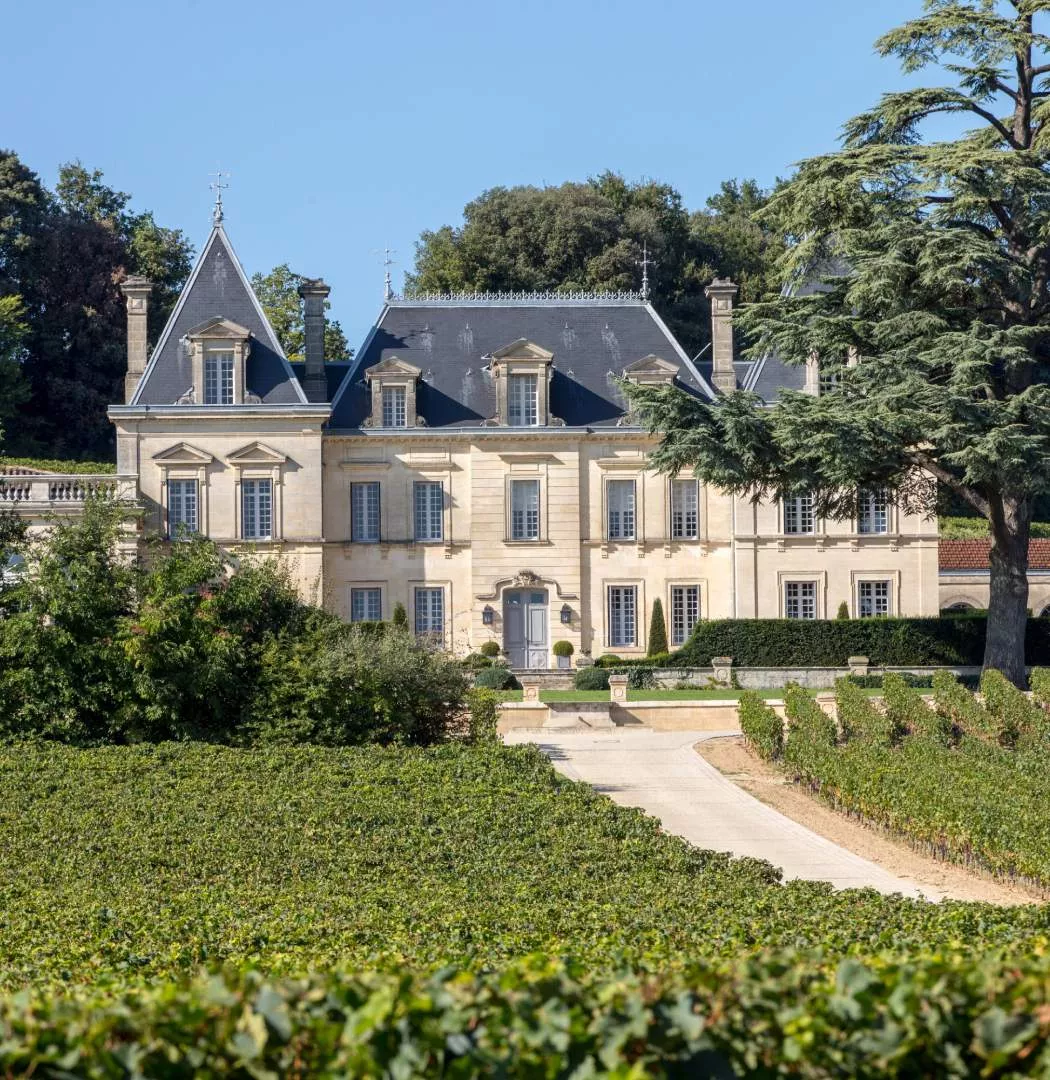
(349, 126)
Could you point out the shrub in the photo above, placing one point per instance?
(475, 661)
(843, 612)
(490, 649)
(657, 630)
(639, 678)
(763, 729)
(400, 617)
(563, 648)
(907, 711)
(591, 678)
(496, 677)
(483, 716)
(608, 659)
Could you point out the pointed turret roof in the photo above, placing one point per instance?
(218, 289)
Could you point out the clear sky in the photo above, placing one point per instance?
(350, 126)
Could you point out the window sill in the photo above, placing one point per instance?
(526, 543)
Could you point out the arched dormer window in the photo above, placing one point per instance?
(219, 351)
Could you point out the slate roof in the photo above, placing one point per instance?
(973, 554)
(450, 341)
(218, 287)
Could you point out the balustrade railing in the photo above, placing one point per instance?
(61, 490)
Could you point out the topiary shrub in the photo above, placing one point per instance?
(608, 660)
(563, 648)
(476, 662)
(496, 677)
(400, 616)
(490, 649)
(763, 729)
(657, 630)
(843, 612)
(591, 678)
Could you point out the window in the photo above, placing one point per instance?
(522, 405)
(685, 612)
(218, 377)
(257, 509)
(394, 409)
(182, 507)
(620, 497)
(874, 598)
(525, 510)
(685, 518)
(798, 515)
(364, 512)
(430, 613)
(622, 614)
(366, 605)
(873, 514)
(800, 600)
(429, 500)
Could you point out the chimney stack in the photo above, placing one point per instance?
(314, 293)
(136, 291)
(721, 292)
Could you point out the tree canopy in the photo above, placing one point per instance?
(932, 322)
(278, 293)
(592, 235)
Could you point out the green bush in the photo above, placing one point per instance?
(907, 711)
(490, 648)
(1014, 716)
(763, 729)
(958, 707)
(609, 660)
(811, 732)
(563, 648)
(843, 611)
(475, 661)
(937, 1016)
(830, 642)
(859, 718)
(657, 630)
(483, 716)
(496, 677)
(591, 678)
(53, 465)
(400, 617)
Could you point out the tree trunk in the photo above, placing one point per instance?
(1011, 521)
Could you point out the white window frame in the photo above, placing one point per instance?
(873, 513)
(428, 600)
(524, 508)
(685, 518)
(798, 514)
(428, 511)
(523, 400)
(219, 365)
(684, 597)
(394, 404)
(621, 613)
(257, 511)
(366, 603)
(621, 520)
(796, 599)
(179, 513)
(874, 586)
(366, 504)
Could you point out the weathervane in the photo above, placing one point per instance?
(388, 261)
(645, 264)
(218, 187)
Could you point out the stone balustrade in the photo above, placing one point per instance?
(35, 493)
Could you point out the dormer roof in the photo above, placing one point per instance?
(652, 369)
(219, 328)
(392, 366)
(522, 349)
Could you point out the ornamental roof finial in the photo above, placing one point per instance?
(218, 187)
(645, 264)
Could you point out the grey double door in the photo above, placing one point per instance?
(525, 624)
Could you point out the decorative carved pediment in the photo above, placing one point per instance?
(184, 454)
(526, 579)
(522, 349)
(220, 328)
(652, 370)
(392, 367)
(257, 453)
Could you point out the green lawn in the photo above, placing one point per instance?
(135, 863)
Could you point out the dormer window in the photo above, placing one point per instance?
(522, 372)
(219, 351)
(218, 377)
(393, 386)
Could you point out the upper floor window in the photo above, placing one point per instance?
(182, 507)
(257, 509)
(798, 515)
(395, 412)
(366, 605)
(525, 509)
(218, 377)
(364, 512)
(873, 512)
(429, 508)
(522, 400)
(685, 516)
(620, 499)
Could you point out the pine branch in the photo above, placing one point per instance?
(924, 461)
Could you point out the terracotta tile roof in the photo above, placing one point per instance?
(973, 554)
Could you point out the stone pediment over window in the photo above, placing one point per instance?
(393, 384)
(652, 371)
(222, 329)
(522, 373)
(257, 453)
(183, 454)
(522, 349)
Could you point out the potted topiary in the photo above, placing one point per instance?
(490, 649)
(563, 650)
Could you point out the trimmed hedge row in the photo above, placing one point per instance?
(771, 1015)
(956, 640)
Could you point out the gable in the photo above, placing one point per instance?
(184, 454)
(392, 366)
(218, 295)
(256, 453)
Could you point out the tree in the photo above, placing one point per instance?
(932, 325)
(278, 293)
(592, 236)
(657, 630)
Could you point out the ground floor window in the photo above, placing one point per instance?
(873, 598)
(685, 612)
(366, 605)
(182, 507)
(257, 509)
(623, 607)
(430, 613)
(800, 599)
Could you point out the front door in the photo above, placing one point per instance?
(525, 628)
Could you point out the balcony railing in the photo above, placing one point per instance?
(38, 492)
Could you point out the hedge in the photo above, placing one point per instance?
(773, 1015)
(957, 640)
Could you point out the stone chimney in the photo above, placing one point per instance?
(136, 290)
(721, 292)
(314, 293)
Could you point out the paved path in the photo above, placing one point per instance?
(660, 772)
